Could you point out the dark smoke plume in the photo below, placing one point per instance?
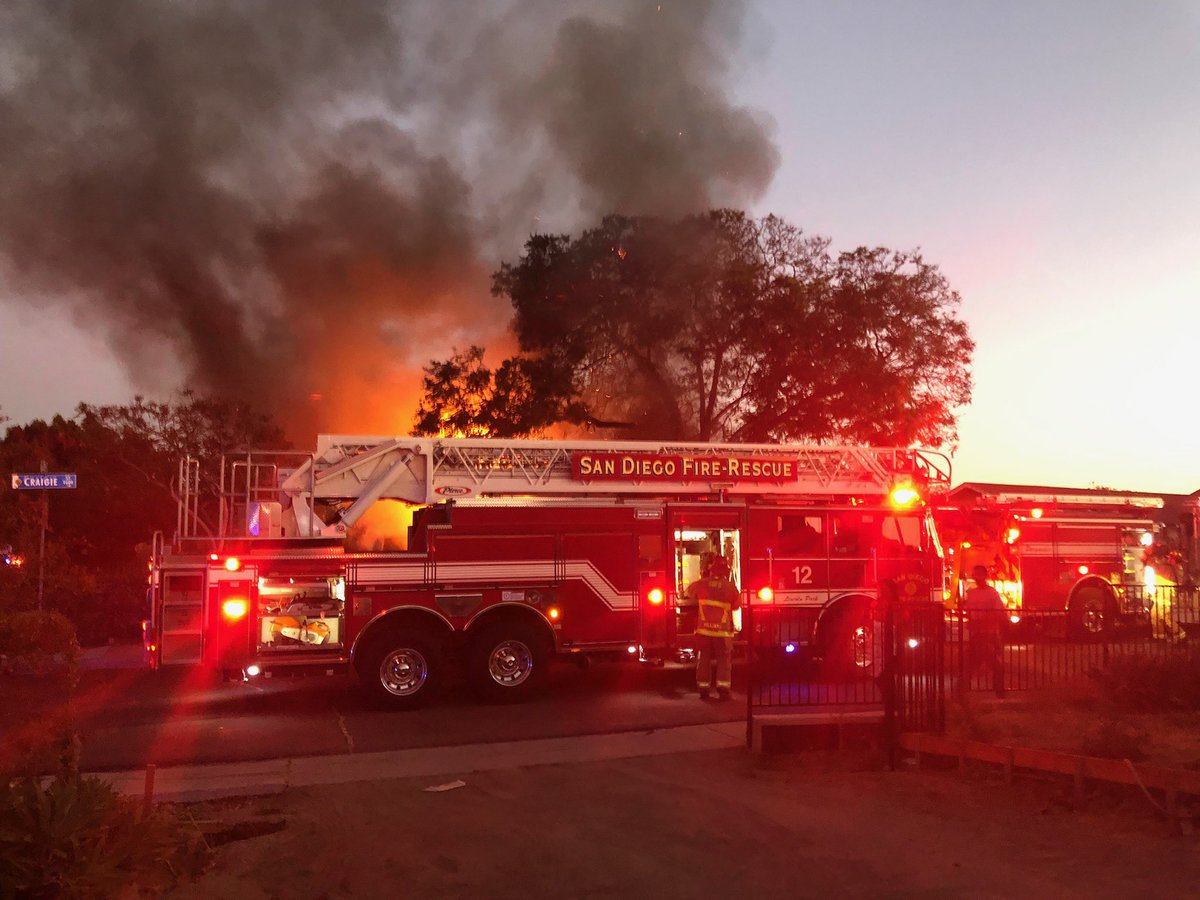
(285, 201)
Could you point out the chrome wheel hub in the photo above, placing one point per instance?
(510, 663)
(403, 672)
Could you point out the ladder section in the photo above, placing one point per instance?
(429, 470)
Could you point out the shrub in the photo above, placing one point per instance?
(74, 836)
(1142, 683)
(38, 643)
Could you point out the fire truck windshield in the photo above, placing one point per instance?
(904, 530)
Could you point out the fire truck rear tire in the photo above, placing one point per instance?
(849, 642)
(506, 662)
(402, 669)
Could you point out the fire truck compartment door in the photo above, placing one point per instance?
(694, 531)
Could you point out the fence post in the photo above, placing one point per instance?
(938, 689)
(751, 668)
(891, 673)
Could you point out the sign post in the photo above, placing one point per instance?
(43, 481)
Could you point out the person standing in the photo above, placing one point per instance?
(716, 599)
(986, 614)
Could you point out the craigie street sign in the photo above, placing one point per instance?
(42, 481)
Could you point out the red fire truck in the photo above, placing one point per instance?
(518, 550)
(1077, 550)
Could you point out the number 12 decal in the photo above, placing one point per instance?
(803, 574)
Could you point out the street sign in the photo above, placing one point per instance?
(41, 481)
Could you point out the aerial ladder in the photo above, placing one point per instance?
(350, 473)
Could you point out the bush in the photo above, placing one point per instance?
(38, 643)
(1142, 683)
(74, 836)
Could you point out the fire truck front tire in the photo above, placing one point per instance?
(402, 669)
(506, 662)
(1092, 613)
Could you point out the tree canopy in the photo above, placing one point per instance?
(147, 439)
(714, 327)
(127, 460)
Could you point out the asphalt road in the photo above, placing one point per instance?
(130, 717)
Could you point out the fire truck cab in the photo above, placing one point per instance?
(521, 550)
(1078, 550)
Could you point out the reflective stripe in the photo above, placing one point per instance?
(716, 618)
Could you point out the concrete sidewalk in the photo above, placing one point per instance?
(113, 656)
(193, 783)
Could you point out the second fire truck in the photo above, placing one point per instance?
(1081, 551)
(520, 550)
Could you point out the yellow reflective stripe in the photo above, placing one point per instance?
(715, 618)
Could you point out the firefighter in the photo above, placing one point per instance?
(986, 614)
(716, 598)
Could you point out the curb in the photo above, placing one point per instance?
(1172, 782)
(186, 784)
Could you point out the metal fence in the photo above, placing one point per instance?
(1038, 648)
(888, 658)
(790, 666)
(902, 659)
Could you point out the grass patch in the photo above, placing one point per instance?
(1079, 718)
(1145, 683)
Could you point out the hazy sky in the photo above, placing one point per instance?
(1046, 155)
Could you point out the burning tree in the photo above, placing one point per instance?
(714, 327)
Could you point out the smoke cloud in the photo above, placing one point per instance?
(299, 204)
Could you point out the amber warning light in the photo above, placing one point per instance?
(234, 608)
(655, 596)
(905, 495)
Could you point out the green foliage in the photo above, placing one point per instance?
(145, 440)
(1153, 683)
(715, 326)
(38, 643)
(127, 459)
(872, 351)
(464, 398)
(74, 836)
